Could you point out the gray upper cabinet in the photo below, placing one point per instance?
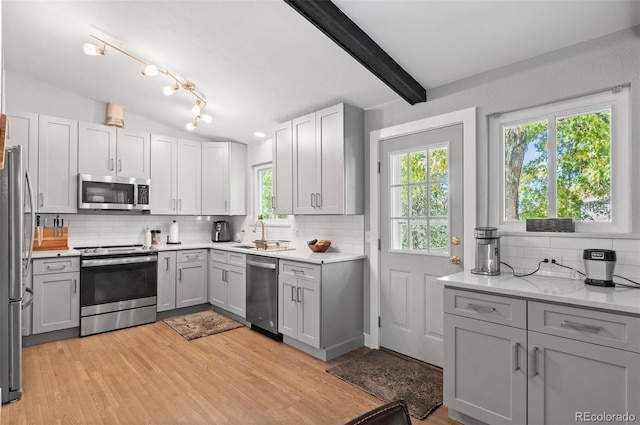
(282, 201)
(58, 165)
(107, 151)
(328, 162)
(22, 130)
(175, 175)
(224, 178)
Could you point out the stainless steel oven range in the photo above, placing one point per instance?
(118, 287)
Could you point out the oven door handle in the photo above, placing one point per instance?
(117, 261)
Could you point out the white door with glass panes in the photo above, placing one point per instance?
(420, 237)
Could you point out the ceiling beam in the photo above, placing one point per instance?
(329, 19)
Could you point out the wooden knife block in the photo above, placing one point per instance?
(51, 242)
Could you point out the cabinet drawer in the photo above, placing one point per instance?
(56, 265)
(192, 255)
(301, 270)
(227, 257)
(491, 308)
(598, 327)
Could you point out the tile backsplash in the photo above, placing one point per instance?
(524, 253)
(345, 232)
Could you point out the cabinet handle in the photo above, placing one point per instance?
(296, 271)
(313, 200)
(110, 164)
(225, 206)
(318, 200)
(226, 276)
(580, 326)
(273, 202)
(41, 197)
(75, 286)
(173, 203)
(298, 294)
(119, 165)
(516, 355)
(222, 271)
(60, 267)
(179, 274)
(534, 369)
(481, 308)
(192, 257)
(293, 297)
(167, 265)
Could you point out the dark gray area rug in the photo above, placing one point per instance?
(390, 377)
(204, 323)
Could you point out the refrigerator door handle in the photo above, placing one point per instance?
(32, 199)
(27, 302)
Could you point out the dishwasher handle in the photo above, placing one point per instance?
(262, 265)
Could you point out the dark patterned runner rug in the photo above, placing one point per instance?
(391, 377)
(204, 323)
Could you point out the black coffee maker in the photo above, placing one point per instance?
(221, 231)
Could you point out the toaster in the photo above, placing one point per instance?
(599, 265)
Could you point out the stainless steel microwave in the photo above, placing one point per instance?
(113, 193)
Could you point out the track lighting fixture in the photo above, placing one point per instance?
(150, 70)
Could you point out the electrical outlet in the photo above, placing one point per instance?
(551, 258)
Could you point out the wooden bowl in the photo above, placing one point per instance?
(319, 248)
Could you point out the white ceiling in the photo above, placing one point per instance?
(260, 63)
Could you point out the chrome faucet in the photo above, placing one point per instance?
(255, 225)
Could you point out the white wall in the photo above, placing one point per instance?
(571, 72)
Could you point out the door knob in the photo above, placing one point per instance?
(454, 260)
(455, 240)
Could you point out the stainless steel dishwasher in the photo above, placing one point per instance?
(262, 294)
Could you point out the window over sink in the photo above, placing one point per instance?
(263, 195)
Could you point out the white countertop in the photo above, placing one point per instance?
(60, 253)
(544, 288)
(303, 254)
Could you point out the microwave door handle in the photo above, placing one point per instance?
(135, 195)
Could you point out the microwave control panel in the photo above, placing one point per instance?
(143, 194)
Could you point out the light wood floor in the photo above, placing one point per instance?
(151, 375)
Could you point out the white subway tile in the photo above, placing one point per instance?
(581, 243)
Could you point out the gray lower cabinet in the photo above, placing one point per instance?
(320, 307)
(517, 361)
(191, 283)
(166, 281)
(228, 281)
(56, 299)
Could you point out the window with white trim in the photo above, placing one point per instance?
(566, 160)
(263, 193)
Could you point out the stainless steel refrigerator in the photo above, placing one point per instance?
(16, 247)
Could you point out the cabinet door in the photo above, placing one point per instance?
(287, 306)
(282, 169)
(164, 172)
(56, 302)
(569, 378)
(189, 177)
(330, 160)
(305, 172)
(96, 149)
(237, 290)
(166, 281)
(485, 370)
(217, 284)
(22, 129)
(58, 165)
(134, 154)
(308, 297)
(191, 287)
(215, 178)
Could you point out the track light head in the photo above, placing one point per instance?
(192, 125)
(197, 108)
(169, 90)
(150, 70)
(206, 118)
(93, 50)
